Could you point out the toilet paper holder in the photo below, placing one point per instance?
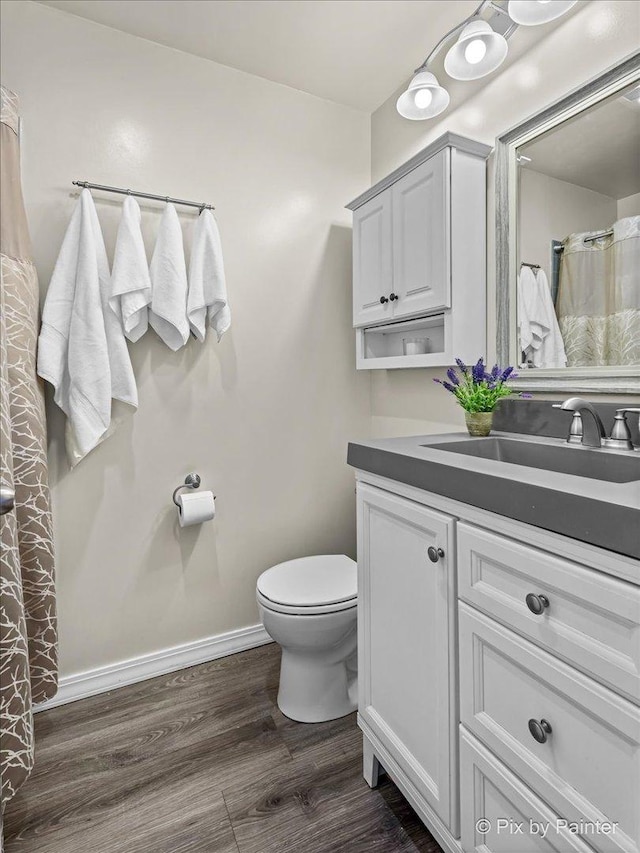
(191, 481)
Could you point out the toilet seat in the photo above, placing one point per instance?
(310, 585)
(307, 610)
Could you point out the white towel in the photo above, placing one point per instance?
(81, 350)
(168, 313)
(526, 297)
(130, 282)
(207, 299)
(540, 337)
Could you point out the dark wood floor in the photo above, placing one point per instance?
(202, 761)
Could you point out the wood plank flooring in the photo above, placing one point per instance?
(202, 761)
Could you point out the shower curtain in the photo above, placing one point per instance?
(598, 303)
(28, 631)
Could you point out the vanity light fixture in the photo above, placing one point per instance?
(530, 13)
(480, 48)
(478, 51)
(425, 97)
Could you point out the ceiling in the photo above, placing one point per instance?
(599, 149)
(353, 52)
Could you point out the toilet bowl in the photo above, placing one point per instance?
(309, 607)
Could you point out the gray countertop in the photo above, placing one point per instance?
(600, 513)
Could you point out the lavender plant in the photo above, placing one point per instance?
(475, 388)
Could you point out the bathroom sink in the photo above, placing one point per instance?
(577, 461)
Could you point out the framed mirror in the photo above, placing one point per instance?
(568, 240)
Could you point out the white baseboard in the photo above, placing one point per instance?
(105, 678)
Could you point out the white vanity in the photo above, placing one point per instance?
(499, 669)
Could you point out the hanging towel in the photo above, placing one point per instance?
(81, 350)
(207, 300)
(531, 330)
(130, 282)
(540, 338)
(168, 313)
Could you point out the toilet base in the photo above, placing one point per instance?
(314, 691)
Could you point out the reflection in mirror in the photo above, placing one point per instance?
(578, 288)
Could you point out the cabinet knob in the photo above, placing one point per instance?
(393, 297)
(539, 730)
(537, 603)
(434, 554)
(383, 299)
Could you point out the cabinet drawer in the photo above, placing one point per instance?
(516, 821)
(588, 769)
(592, 620)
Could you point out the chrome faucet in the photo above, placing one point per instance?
(592, 428)
(590, 431)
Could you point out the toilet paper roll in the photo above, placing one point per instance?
(196, 507)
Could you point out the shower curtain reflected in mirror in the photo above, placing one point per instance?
(28, 630)
(598, 303)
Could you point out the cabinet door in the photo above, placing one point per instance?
(421, 272)
(372, 273)
(406, 641)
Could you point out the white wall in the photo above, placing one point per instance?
(265, 416)
(575, 50)
(629, 206)
(549, 209)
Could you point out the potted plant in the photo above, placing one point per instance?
(478, 391)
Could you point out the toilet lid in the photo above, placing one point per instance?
(311, 581)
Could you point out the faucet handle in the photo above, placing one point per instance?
(575, 430)
(620, 433)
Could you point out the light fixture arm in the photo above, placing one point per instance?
(458, 29)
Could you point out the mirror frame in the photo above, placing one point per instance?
(608, 379)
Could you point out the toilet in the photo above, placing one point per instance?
(309, 607)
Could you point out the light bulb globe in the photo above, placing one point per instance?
(423, 98)
(478, 51)
(475, 51)
(531, 13)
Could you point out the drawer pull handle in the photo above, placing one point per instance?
(539, 730)
(537, 603)
(383, 300)
(434, 554)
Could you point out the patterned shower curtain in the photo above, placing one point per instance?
(28, 631)
(598, 303)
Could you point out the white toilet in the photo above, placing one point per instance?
(308, 606)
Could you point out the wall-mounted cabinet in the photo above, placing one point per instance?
(419, 254)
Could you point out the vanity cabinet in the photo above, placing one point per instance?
(419, 258)
(500, 682)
